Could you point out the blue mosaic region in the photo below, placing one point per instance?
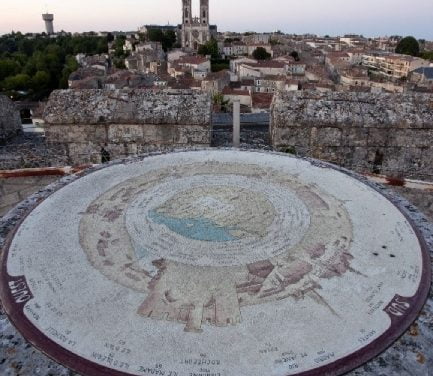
(194, 228)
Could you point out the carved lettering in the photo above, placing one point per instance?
(20, 291)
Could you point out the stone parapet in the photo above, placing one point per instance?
(96, 125)
(383, 133)
(10, 121)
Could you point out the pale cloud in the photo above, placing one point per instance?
(368, 17)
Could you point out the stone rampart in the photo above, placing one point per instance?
(390, 134)
(10, 121)
(98, 125)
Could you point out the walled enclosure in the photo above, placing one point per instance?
(382, 133)
(10, 121)
(98, 125)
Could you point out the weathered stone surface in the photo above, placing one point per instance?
(92, 123)
(386, 133)
(10, 121)
(127, 106)
(15, 190)
(30, 150)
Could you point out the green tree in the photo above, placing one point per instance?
(408, 46)
(26, 47)
(219, 65)
(41, 64)
(101, 46)
(260, 53)
(40, 81)
(8, 67)
(71, 65)
(210, 48)
(18, 82)
(119, 63)
(295, 55)
(167, 38)
(110, 37)
(219, 102)
(428, 55)
(155, 35)
(118, 46)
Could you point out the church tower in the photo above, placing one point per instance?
(195, 30)
(204, 12)
(187, 12)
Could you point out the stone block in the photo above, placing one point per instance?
(23, 194)
(165, 134)
(350, 109)
(116, 151)
(327, 137)
(355, 136)
(401, 161)
(411, 138)
(293, 136)
(127, 106)
(83, 153)
(124, 122)
(78, 133)
(125, 133)
(5, 209)
(330, 154)
(194, 135)
(131, 149)
(9, 199)
(379, 137)
(10, 121)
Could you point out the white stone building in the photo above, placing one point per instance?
(235, 63)
(231, 95)
(262, 68)
(393, 65)
(198, 66)
(235, 49)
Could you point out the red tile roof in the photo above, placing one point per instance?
(262, 100)
(267, 64)
(193, 60)
(229, 91)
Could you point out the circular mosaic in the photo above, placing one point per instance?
(214, 263)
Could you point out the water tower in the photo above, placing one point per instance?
(48, 18)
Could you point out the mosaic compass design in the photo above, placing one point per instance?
(215, 263)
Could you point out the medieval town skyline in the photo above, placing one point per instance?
(336, 17)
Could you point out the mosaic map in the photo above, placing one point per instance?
(214, 263)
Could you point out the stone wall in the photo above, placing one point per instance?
(384, 133)
(10, 121)
(96, 125)
(15, 190)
